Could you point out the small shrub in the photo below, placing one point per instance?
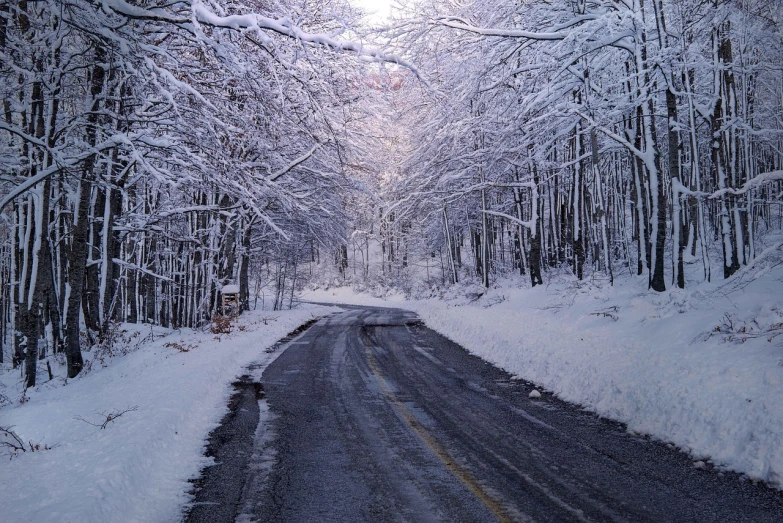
(11, 441)
(114, 342)
(220, 325)
(182, 346)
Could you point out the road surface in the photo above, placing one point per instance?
(371, 416)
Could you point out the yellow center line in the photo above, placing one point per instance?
(494, 505)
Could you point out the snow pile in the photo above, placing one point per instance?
(174, 391)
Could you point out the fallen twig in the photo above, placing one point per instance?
(111, 416)
(609, 312)
(11, 440)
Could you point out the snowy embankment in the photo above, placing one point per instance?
(138, 467)
(701, 368)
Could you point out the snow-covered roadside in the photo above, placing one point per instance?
(137, 468)
(348, 296)
(692, 367)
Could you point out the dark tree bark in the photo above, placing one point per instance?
(33, 311)
(657, 281)
(92, 286)
(577, 224)
(535, 239)
(722, 167)
(77, 256)
(244, 272)
(674, 171)
(678, 215)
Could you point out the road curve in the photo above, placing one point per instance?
(374, 417)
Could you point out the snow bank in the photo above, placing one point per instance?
(137, 468)
(346, 295)
(662, 363)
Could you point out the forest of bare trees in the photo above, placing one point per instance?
(606, 136)
(151, 154)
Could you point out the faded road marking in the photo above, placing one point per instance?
(493, 504)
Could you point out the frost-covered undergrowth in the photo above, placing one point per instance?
(701, 368)
(137, 468)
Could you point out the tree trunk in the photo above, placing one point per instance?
(77, 257)
(244, 271)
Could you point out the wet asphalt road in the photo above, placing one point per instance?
(370, 416)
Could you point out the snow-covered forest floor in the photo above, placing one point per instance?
(701, 368)
(173, 387)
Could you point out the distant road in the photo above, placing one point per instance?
(375, 417)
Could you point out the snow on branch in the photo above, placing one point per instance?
(646, 157)
(456, 23)
(134, 267)
(530, 224)
(61, 165)
(757, 181)
(184, 86)
(293, 164)
(533, 221)
(554, 33)
(284, 26)
(14, 130)
(772, 176)
(258, 24)
(140, 13)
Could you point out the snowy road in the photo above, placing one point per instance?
(376, 418)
